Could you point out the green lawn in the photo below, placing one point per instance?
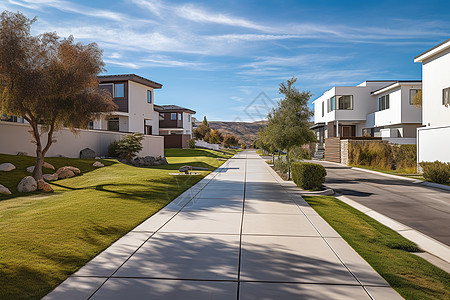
(46, 237)
(385, 250)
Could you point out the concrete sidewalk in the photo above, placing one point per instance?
(240, 233)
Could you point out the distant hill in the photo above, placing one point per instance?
(246, 132)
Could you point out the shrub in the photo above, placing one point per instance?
(112, 149)
(129, 146)
(308, 176)
(191, 143)
(298, 153)
(280, 166)
(243, 146)
(437, 171)
(405, 157)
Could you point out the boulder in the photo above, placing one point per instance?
(22, 154)
(42, 185)
(64, 173)
(87, 153)
(98, 164)
(73, 169)
(27, 184)
(48, 166)
(30, 169)
(4, 190)
(5, 167)
(50, 177)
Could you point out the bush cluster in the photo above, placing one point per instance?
(280, 165)
(437, 171)
(308, 176)
(127, 147)
(382, 155)
(191, 143)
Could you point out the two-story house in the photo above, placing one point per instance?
(134, 96)
(175, 124)
(396, 119)
(342, 110)
(433, 140)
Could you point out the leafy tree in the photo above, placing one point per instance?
(129, 146)
(51, 83)
(417, 99)
(201, 131)
(207, 137)
(230, 140)
(205, 122)
(288, 123)
(215, 137)
(243, 146)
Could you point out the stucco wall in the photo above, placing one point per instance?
(433, 144)
(16, 138)
(139, 109)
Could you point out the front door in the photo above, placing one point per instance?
(346, 131)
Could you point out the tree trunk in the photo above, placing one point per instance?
(37, 173)
(288, 166)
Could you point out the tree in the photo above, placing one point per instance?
(51, 83)
(417, 99)
(230, 140)
(201, 131)
(215, 137)
(129, 146)
(288, 123)
(205, 122)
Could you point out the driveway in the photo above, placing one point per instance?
(422, 208)
(240, 233)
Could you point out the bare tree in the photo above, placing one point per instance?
(50, 82)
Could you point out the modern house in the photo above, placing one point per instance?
(134, 96)
(433, 140)
(371, 109)
(175, 124)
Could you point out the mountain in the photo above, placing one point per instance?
(246, 132)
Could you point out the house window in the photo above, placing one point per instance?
(173, 116)
(323, 108)
(149, 96)
(179, 116)
(345, 102)
(189, 118)
(113, 124)
(446, 97)
(91, 125)
(383, 102)
(119, 90)
(331, 104)
(412, 93)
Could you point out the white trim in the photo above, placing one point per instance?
(433, 52)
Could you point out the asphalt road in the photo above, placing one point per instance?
(423, 208)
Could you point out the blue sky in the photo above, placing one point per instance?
(217, 57)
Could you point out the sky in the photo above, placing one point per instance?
(225, 59)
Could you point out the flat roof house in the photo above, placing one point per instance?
(433, 140)
(175, 124)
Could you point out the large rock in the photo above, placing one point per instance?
(44, 186)
(48, 166)
(98, 164)
(73, 169)
(4, 190)
(27, 184)
(64, 173)
(30, 169)
(87, 153)
(5, 167)
(50, 177)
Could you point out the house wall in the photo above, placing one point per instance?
(139, 109)
(68, 144)
(436, 77)
(433, 144)
(410, 113)
(186, 124)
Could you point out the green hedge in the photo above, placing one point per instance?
(437, 171)
(308, 176)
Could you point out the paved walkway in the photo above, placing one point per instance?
(422, 208)
(240, 233)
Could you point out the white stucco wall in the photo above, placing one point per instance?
(187, 126)
(410, 113)
(138, 108)
(17, 139)
(433, 143)
(435, 77)
(393, 114)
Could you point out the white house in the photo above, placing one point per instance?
(342, 110)
(134, 96)
(396, 118)
(433, 140)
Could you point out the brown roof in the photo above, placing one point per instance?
(173, 108)
(132, 77)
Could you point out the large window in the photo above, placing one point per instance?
(345, 102)
(189, 118)
(119, 90)
(113, 124)
(149, 96)
(173, 116)
(179, 116)
(331, 104)
(446, 97)
(383, 102)
(323, 108)
(412, 93)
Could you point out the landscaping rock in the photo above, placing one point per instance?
(87, 153)
(98, 164)
(64, 173)
(27, 184)
(42, 185)
(6, 167)
(4, 190)
(30, 169)
(50, 177)
(22, 154)
(73, 169)
(149, 161)
(48, 166)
